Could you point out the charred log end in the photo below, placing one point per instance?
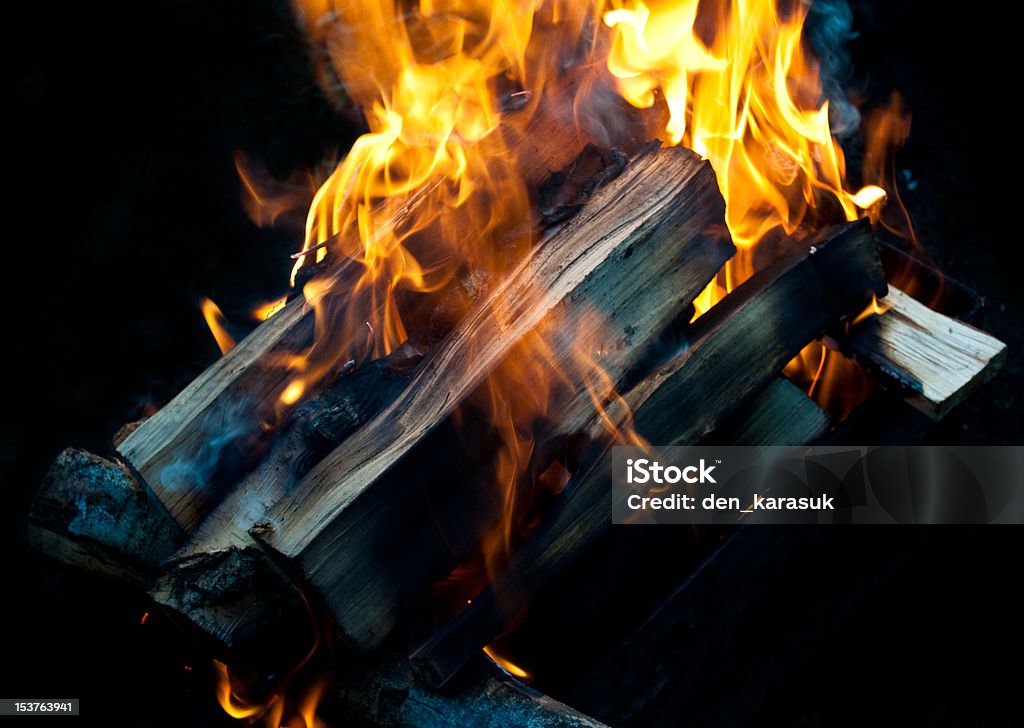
(93, 514)
(239, 603)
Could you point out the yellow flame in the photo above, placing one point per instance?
(216, 321)
(233, 705)
(505, 664)
(293, 392)
(875, 308)
(266, 310)
(433, 79)
(743, 93)
(735, 77)
(868, 196)
(308, 705)
(290, 698)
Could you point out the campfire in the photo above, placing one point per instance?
(569, 225)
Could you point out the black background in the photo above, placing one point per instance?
(123, 209)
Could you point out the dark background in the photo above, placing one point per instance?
(121, 125)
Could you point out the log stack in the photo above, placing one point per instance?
(362, 499)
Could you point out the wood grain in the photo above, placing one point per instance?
(935, 360)
(639, 252)
(233, 390)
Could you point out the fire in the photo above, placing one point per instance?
(216, 322)
(437, 82)
(875, 308)
(273, 712)
(286, 700)
(744, 93)
(505, 664)
(266, 310)
(428, 83)
(434, 80)
(227, 695)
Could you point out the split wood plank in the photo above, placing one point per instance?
(938, 361)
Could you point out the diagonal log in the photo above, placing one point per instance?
(639, 253)
(233, 392)
(341, 407)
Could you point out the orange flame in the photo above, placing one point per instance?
(216, 321)
(505, 664)
(427, 82)
(293, 696)
(267, 200)
(743, 92)
(434, 78)
(875, 308)
(750, 100)
(887, 130)
(531, 388)
(274, 711)
(266, 310)
(228, 695)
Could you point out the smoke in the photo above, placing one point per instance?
(230, 429)
(828, 28)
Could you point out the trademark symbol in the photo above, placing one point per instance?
(718, 461)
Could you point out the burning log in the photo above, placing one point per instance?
(663, 215)
(197, 415)
(91, 513)
(731, 351)
(316, 428)
(250, 377)
(936, 360)
(325, 421)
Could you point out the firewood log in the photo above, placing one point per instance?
(640, 251)
(233, 392)
(936, 361)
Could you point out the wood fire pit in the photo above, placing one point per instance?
(361, 505)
